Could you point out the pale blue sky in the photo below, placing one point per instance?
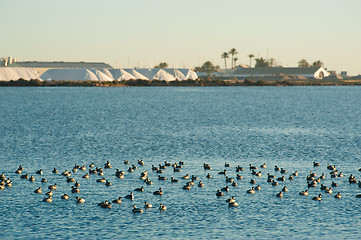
(183, 33)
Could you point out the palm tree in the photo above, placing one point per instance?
(235, 61)
(303, 63)
(318, 63)
(271, 62)
(250, 59)
(233, 52)
(225, 56)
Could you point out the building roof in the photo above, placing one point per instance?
(275, 70)
(61, 64)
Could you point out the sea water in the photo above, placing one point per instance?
(291, 127)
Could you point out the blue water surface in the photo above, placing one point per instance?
(291, 127)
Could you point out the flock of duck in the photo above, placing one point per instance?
(312, 181)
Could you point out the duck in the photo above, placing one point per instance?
(283, 171)
(263, 165)
(251, 191)
(147, 205)
(158, 192)
(274, 183)
(148, 181)
(137, 210)
(77, 184)
(295, 173)
(219, 193)
(228, 179)
(223, 172)
(186, 177)
(91, 165)
(9, 184)
(168, 164)
(181, 163)
(284, 189)
(32, 178)
(258, 188)
(161, 178)
(53, 187)
(107, 165)
(118, 200)
(105, 204)
(329, 190)
(207, 166)
(340, 174)
(70, 179)
(75, 169)
(318, 198)
(225, 189)
(333, 184)
(18, 171)
(130, 169)
(48, 199)
(280, 194)
(74, 189)
(54, 170)
(39, 172)
(234, 184)
(290, 177)
(233, 204)
(209, 175)
(80, 200)
(141, 189)
(239, 177)
(49, 193)
(126, 162)
(227, 165)
(304, 193)
(173, 180)
(44, 180)
(200, 184)
(358, 196)
(231, 200)
(86, 176)
(322, 176)
(130, 196)
(101, 180)
(162, 207)
(239, 168)
(312, 184)
(252, 181)
(276, 168)
(38, 190)
(177, 170)
(281, 179)
(107, 183)
(330, 167)
(338, 195)
(315, 164)
(2, 187)
(65, 196)
(323, 188)
(251, 167)
(83, 168)
(26, 176)
(154, 168)
(160, 171)
(187, 187)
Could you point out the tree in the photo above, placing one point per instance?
(271, 62)
(225, 56)
(317, 63)
(261, 62)
(303, 63)
(233, 52)
(207, 67)
(162, 65)
(235, 61)
(250, 59)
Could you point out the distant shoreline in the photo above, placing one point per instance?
(189, 83)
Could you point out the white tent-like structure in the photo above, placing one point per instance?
(16, 73)
(69, 74)
(163, 76)
(101, 76)
(121, 74)
(178, 75)
(136, 74)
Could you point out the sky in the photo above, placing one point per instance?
(183, 33)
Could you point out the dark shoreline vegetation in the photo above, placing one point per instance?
(190, 83)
